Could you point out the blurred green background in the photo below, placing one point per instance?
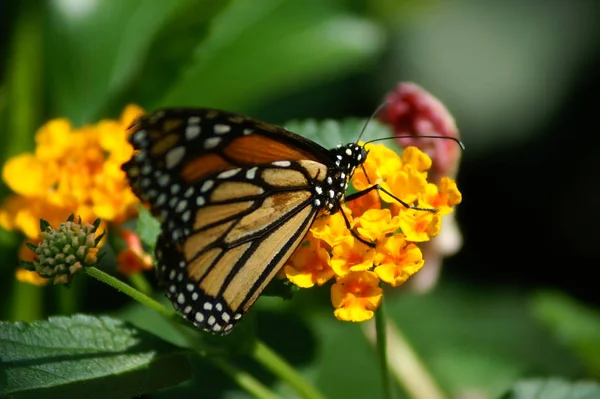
(521, 78)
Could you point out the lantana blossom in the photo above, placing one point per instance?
(71, 171)
(395, 230)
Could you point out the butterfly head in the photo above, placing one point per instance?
(346, 158)
(349, 157)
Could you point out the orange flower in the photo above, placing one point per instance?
(332, 229)
(371, 200)
(419, 226)
(333, 250)
(375, 224)
(73, 171)
(398, 260)
(351, 255)
(133, 259)
(31, 277)
(356, 296)
(444, 198)
(309, 265)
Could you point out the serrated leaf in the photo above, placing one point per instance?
(575, 325)
(148, 228)
(554, 388)
(85, 357)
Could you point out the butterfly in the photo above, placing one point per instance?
(235, 197)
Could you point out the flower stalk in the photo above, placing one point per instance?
(272, 361)
(382, 353)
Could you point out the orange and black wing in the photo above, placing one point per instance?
(235, 197)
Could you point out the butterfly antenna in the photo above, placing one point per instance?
(379, 108)
(457, 141)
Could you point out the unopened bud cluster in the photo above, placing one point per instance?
(66, 250)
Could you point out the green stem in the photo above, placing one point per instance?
(131, 292)
(24, 80)
(241, 377)
(26, 302)
(408, 369)
(140, 282)
(278, 366)
(68, 298)
(381, 344)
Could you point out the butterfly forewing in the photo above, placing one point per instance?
(235, 197)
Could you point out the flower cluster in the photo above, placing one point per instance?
(72, 171)
(61, 253)
(419, 119)
(331, 251)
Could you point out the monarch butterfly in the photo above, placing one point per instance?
(235, 197)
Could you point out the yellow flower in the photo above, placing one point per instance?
(73, 171)
(398, 260)
(419, 226)
(381, 163)
(332, 229)
(375, 224)
(371, 200)
(31, 277)
(351, 255)
(377, 218)
(309, 265)
(416, 158)
(356, 296)
(444, 197)
(406, 184)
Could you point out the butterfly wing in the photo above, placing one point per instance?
(235, 197)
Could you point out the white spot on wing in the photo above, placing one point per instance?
(207, 185)
(192, 131)
(228, 173)
(174, 156)
(251, 173)
(221, 129)
(181, 206)
(163, 180)
(212, 142)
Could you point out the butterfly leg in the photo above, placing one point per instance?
(379, 188)
(354, 233)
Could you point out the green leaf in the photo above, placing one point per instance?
(97, 48)
(575, 325)
(171, 53)
(148, 228)
(554, 388)
(329, 132)
(85, 356)
(268, 48)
